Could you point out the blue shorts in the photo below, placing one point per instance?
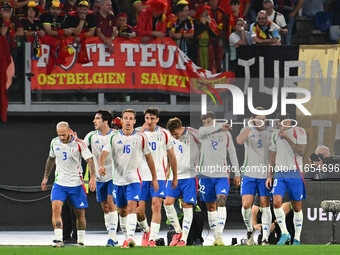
(186, 187)
(211, 187)
(292, 182)
(76, 195)
(123, 194)
(103, 190)
(251, 186)
(148, 192)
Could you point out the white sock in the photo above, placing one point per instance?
(246, 214)
(187, 220)
(131, 225)
(281, 219)
(172, 216)
(144, 225)
(222, 216)
(298, 220)
(123, 225)
(212, 220)
(111, 221)
(154, 231)
(58, 233)
(266, 220)
(81, 236)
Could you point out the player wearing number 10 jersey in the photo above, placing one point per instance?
(186, 146)
(161, 146)
(127, 147)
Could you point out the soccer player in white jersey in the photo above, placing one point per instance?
(97, 139)
(161, 145)
(66, 152)
(216, 143)
(287, 147)
(256, 140)
(127, 147)
(186, 147)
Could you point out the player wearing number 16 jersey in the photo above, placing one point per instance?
(187, 149)
(97, 139)
(161, 146)
(127, 147)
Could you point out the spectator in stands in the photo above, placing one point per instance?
(244, 7)
(289, 9)
(180, 26)
(152, 21)
(205, 28)
(218, 41)
(274, 16)
(124, 30)
(11, 26)
(69, 6)
(106, 29)
(233, 16)
(140, 5)
(52, 21)
(194, 6)
(96, 6)
(264, 32)
(238, 38)
(20, 6)
(31, 23)
(80, 22)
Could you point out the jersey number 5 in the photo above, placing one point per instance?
(259, 142)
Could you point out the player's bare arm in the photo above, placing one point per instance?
(152, 168)
(173, 164)
(243, 136)
(48, 169)
(92, 181)
(270, 172)
(102, 158)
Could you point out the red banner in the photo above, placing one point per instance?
(156, 66)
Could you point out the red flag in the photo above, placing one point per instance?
(5, 61)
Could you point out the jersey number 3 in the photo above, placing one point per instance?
(65, 155)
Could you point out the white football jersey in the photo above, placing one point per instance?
(68, 156)
(215, 145)
(286, 159)
(256, 153)
(127, 154)
(187, 151)
(160, 141)
(97, 141)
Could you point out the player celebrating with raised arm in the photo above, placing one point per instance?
(287, 147)
(161, 145)
(216, 143)
(256, 140)
(66, 152)
(97, 139)
(186, 147)
(128, 147)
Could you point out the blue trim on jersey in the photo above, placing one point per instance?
(134, 132)
(154, 131)
(72, 138)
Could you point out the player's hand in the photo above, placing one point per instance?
(92, 184)
(74, 133)
(269, 183)
(174, 183)
(154, 184)
(43, 184)
(237, 181)
(145, 126)
(102, 171)
(226, 127)
(283, 135)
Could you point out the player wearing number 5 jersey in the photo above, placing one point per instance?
(187, 148)
(287, 147)
(216, 143)
(66, 152)
(161, 146)
(97, 139)
(127, 147)
(256, 140)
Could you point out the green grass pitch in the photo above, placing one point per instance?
(229, 250)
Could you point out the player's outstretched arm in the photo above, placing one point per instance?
(243, 136)
(173, 164)
(152, 168)
(92, 181)
(48, 169)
